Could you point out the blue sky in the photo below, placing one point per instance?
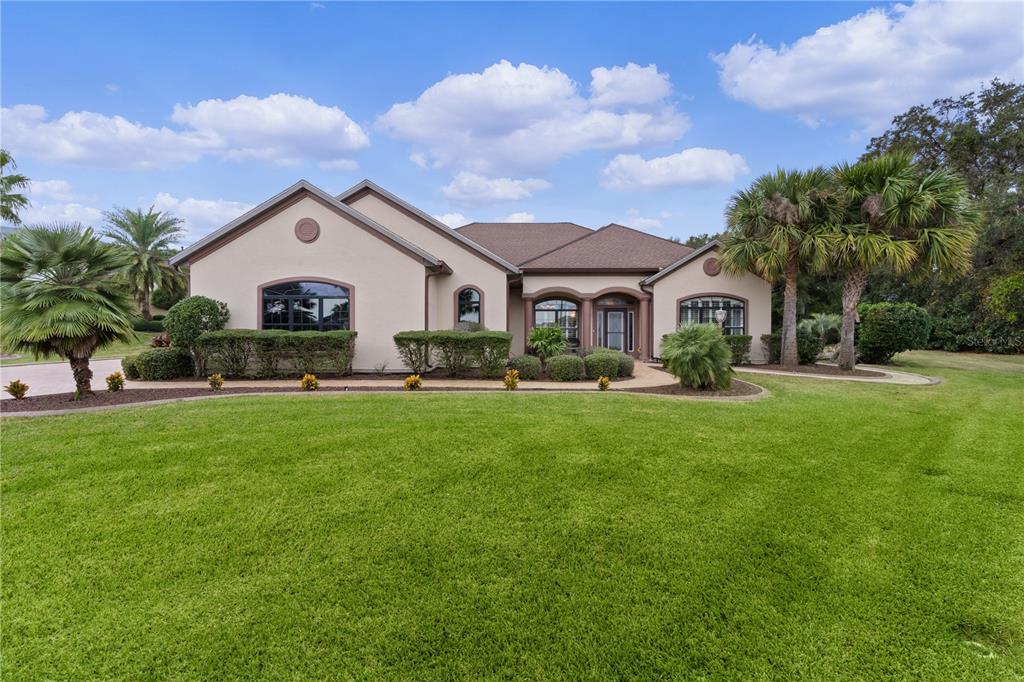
(650, 115)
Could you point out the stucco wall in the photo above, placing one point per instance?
(467, 267)
(388, 285)
(515, 321)
(584, 284)
(690, 280)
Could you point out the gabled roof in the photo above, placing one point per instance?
(364, 187)
(693, 255)
(301, 188)
(519, 242)
(613, 248)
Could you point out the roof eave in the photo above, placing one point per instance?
(672, 267)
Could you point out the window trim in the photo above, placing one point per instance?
(458, 292)
(561, 297)
(722, 294)
(304, 278)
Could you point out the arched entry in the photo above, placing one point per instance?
(615, 322)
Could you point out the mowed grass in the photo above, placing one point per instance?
(831, 531)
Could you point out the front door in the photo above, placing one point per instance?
(614, 329)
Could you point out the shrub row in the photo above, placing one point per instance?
(808, 346)
(153, 325)
(567, 368)
(456, 351)
(158, 364)
(740, 347)
(272, 352)
(528, 366)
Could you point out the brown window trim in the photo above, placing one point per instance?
(304, 278)
(479, 290)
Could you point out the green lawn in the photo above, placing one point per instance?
(831, 531)
(114, 350)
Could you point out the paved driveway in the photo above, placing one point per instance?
(55, 377)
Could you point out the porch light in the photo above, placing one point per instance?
(720, 316)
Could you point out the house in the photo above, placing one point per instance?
(367, 260)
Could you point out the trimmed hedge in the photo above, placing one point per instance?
(456, 351)
(808, 346)
(159, 364)
(740, 347)
(153, 325)
(567, 368)
(238, 352)
(886, 329)
(601, 365)
(626, 362)
(528, 366)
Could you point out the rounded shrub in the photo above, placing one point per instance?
(190, 318)
(528, 366)
(162, 364)
(698, 356)
(626, 362)
(164, 299)
(886, 329)
(567, 368)
(130, 367)
(601, 365)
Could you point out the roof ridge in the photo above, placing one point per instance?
(648, 234)
(572, 241)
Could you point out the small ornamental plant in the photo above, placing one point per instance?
(511, 379)
(17, 389)
(309, 382)
(413, 382)
(160, 341)
(216, 381)
(115, 382)
(603, 383)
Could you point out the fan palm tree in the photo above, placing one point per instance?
(11, 183)
(59, 296)
(779, 227)
(146, 238)
(896, 220)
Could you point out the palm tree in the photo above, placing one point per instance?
(895, 220)
(779, 227)
(59, 296)
(11, 201)
(146, 238)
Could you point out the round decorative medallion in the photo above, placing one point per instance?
(307, 230)
(712, 267)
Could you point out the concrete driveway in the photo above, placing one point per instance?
(45, 378)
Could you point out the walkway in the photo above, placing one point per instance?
(891, 376)
(46, 378)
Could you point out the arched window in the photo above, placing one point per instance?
(469, 305)
(306, 306)
(702, 309)
(557, 312)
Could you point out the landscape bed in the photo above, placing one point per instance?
(839, 530)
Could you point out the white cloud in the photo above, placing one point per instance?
(629, 84)
(519, 118)
(877, 64)
(282, 129)
(111, 87)
(201, 215)
(518, 217)
(59, 190)
(646, 224)
(693, 166)
(453, 219)
(69, 212)
(472, 188)
(342, 165)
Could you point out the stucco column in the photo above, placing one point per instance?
(645, 340)
(587, 323)
(528, 319)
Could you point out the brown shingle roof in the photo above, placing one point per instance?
(519, 242)
(613, 247)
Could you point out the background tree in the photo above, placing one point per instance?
(59, 296)
(778, 228)
(12, 201)
(147, 239)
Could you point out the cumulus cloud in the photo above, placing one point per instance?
(201, 216)
(59, 190)
(454, 219)
(693, 166)
(67, 212)
(877, 64)
(518, 217)
(629, 84)
(522, 118)
(472, 188)
(281, 129)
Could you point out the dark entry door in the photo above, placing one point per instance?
(614, 329)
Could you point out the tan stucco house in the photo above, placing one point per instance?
(368, 261)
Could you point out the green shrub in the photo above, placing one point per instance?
(489, 351)
(309, 351)
(469, 327)
(162, 364)
(238, 352)
(528, 366)
(451, 350)
(739, 345)
(164, 299)
(808, 346)
(141, 325)
(626, 364)
(414, 350)
(130, 367)
(601, 365)
(1006, 298)
(698, 356)
(826, 326)
(546, 342)
(567, 368)
(886, 329)
(159, 318)
(230, 349)
(190, 318)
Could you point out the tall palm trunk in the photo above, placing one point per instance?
(790, 357)
(147, 313)
(853, 289)
(83, 375)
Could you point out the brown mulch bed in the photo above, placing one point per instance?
(826, 370)
(736, 389)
